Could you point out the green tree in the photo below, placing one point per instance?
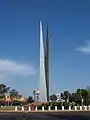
(3, 89)
(66, 95)
(79, 96)
(84, 93)
(62, 95)
(73, 97)
(14, 94)
(30, 99)
(19, 96)
(88, 97)
(53, 97)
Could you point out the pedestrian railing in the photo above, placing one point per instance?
(75, 108)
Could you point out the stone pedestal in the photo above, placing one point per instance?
(75, 107)
(69, 107)
(62, 107)
(29, 108)
(36, 108)
(89, 107)
(80, 107)
(49, 108)
(85, 107)
(42, 108)
(15, 108)
(22, 108)
(55, 108)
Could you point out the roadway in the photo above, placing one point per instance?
(79, 115)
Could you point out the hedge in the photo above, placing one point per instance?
(53, 104)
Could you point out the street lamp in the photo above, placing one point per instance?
(36, 95)
(82, 101)
(34, 92)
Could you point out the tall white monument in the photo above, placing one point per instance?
(43, 94)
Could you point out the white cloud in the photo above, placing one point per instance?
(84, 49)
(8, 67)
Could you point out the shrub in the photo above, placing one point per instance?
(58, 104)
(16, 103)
(39, 107)
(46, 105)
(52, 105)
(66, 105)
(72, 105)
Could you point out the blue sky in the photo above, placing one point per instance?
(69, 28)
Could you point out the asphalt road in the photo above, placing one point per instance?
(46, 116)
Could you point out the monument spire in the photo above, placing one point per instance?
(43, 93)
(47, 63)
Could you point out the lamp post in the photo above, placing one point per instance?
(68, 98)
(58, 96)
(82, 101)
(34, 93)
(37, 93)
